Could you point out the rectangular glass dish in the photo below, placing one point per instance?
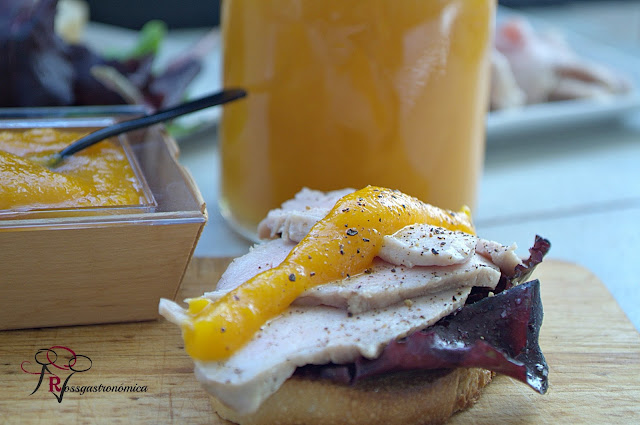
(81, 125)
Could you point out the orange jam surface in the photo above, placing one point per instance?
(344, 243)
(98, 176)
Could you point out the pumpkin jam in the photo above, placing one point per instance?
(99, 176)
(343, 243)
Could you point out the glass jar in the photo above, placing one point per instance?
(347, 93)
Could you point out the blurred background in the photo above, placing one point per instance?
(175, 13)
(199, 13)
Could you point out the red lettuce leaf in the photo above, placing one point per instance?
(521, 273)
(34, 63)
(498, 333)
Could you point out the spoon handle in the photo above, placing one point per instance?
(160, 116)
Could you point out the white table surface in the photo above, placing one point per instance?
(578, 187)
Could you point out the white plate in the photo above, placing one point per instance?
(572, 113)
(553, 115)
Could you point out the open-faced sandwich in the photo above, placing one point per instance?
(365, 307)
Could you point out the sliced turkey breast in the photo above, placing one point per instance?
(311, 335)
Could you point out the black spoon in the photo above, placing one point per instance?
(219, 98)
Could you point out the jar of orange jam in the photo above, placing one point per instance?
(349, 93)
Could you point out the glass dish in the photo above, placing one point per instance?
(83, 119)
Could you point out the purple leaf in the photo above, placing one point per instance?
(521, 273)
(498, 333)
(34, 62)
(37, 68)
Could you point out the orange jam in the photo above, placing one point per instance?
(345, 93)
(98, 176)
(344, 243)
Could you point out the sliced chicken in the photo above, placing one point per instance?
(387, 282)
(505, 92)
(546, 68)
(311, 335)
(293, 220)
(261, 257)
(425, 245)
(531, 60)
(381, 285)
(504, 257)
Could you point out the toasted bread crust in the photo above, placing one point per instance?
(415, 397)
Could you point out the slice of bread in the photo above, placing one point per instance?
(414, 397)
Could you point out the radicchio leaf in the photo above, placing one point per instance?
(34, 62)
(498, 333)
(521, 273)
(87, 89)
(38, 68)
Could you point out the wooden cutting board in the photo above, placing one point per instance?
(592, 349)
